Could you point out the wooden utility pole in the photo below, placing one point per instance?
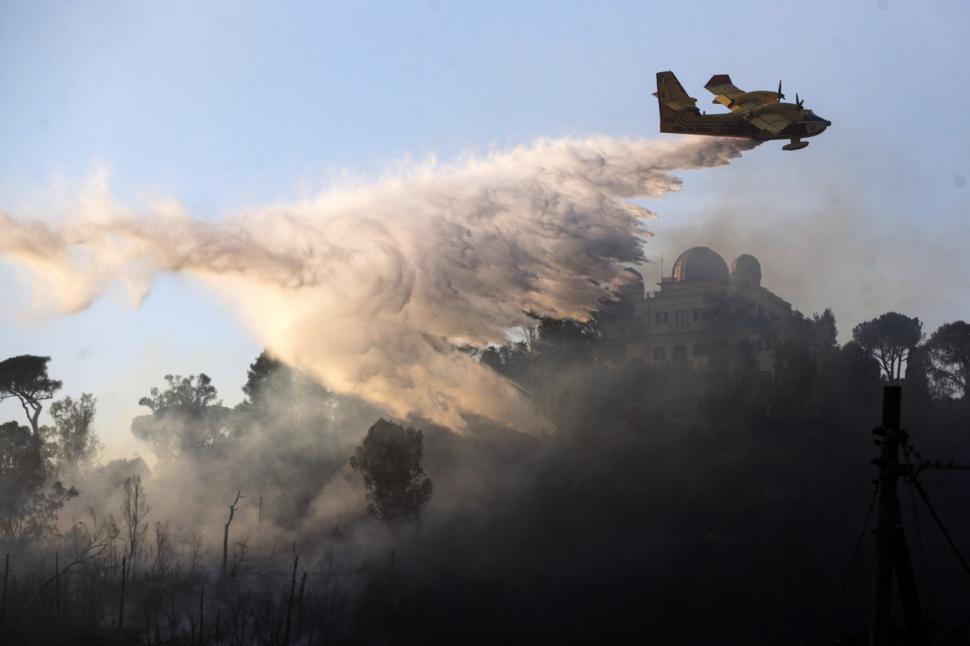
(892, 553)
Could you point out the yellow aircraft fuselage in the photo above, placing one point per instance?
(755, 115)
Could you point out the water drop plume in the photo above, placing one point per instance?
(371, 288)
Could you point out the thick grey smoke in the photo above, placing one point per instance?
(370, 289)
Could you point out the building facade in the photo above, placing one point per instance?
(678, 322)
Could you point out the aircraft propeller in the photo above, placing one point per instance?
(781, 95)
(798, 102)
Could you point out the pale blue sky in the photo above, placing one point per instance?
(227, 106)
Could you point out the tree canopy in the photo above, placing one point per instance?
(187, 417)
(25, 377)
(888, 339)
(73, 433)
(27, 509)
(948, 356)
(389, 459)
(258, 376)
(190, 392)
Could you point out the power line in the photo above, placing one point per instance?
(922, 552)
(912, 474)
(855, 556)
(939, 522)
(908, 453)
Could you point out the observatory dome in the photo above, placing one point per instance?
(746, 269)
(629, 283)
(700, 263)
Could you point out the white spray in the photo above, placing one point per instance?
(371, 289)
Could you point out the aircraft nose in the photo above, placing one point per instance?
(817, 125)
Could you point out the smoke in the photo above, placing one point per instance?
(372, 288)
(830, 237)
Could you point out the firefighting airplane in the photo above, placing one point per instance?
(754, 115)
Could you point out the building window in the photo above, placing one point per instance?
(661, 318)
(659, 354)
(700, 349)
(680, 352)
(698, 314)
(679, 318)
(764, 344)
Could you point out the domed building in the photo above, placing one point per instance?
(629, 284)
(700, 264)
(746, 271)
(671, 324)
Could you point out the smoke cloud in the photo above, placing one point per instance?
(372, 288)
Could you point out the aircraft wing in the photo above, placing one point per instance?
(770, 121)
(725, 92)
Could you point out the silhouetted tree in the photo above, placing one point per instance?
(948, 357)
(25, 377)
(28, 509)
(259, 374)
(916, 389)
(135, 510)
(826, 332)
(189, 392)
(804, 348)
(511, 359)
(21, 475)
(74, 440)
(297, 422)
(187, 417)
(389, 459)
(565, 337)
(888, 339)
(270, 381)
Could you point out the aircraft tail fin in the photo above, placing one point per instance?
(672, 99)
